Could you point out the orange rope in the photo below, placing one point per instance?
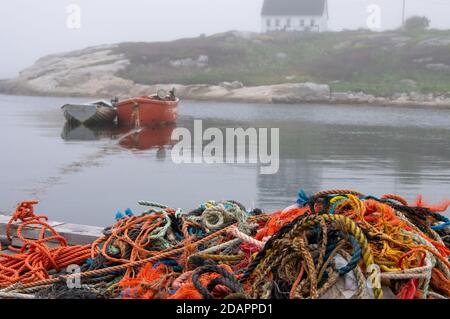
(442, 207)
(439, 282)
(296, 283)
(36, 258)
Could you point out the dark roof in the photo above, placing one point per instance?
(294, 7)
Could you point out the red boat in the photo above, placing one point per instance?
(148, 111)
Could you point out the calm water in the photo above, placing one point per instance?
(85, 176)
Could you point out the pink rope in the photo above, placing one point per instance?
(238, 234)
(182, 279)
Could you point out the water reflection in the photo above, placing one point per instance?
(80, 133)
(375, 159)
(131, 139)
(148, 138)
(374, 150)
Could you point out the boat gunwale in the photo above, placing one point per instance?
(98, 103)
(148, 100)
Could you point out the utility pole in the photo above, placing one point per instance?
(404, 14)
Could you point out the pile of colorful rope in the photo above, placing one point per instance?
(333, 244)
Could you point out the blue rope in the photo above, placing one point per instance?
(302, 199)
(330, 247)
(119, 215)
(441, 226)
(129, 212)
(371, 197)
(169, 262)
(179, 236)
(356, 257)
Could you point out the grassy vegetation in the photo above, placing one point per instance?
(374, 63)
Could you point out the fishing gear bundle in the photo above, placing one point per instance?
(334, 244)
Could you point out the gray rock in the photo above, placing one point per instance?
(281, 55)
(438, 67)
(361, 97)
(416, 96)
(352, 97)
(85, 72)
(231, 85)
(400, 96)
(226, 85)
(183, 63)
(201, 62)
(203, 59)
(423, 60)
(236, 85)
(314, 91)
(421, 97)
(381, 100)
(340, 97)
(437, 41)
(301, 92)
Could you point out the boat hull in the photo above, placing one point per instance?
(146, 112)
(89, 114)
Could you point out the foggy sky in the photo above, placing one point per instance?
(30, 29)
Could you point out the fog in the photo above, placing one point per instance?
(30, 29)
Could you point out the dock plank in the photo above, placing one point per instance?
(79, 234)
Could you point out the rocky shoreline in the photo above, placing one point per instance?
(93, 72)
(291, 93)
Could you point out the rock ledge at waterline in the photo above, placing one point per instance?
(93, 72)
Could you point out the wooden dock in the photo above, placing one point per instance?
(73, 233)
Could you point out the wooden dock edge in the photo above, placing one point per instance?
(74, 234)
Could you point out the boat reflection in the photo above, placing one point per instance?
(132, 139)
(79, 133)
(148, 138)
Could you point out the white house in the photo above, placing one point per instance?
(295, 15)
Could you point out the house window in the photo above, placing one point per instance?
(302, 22)
(277, 22)
(288, 23)
(313, 22)
(269, 23)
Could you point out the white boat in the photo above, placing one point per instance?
(96, 112)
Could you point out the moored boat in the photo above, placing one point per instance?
(93, 113)
(148, 111)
